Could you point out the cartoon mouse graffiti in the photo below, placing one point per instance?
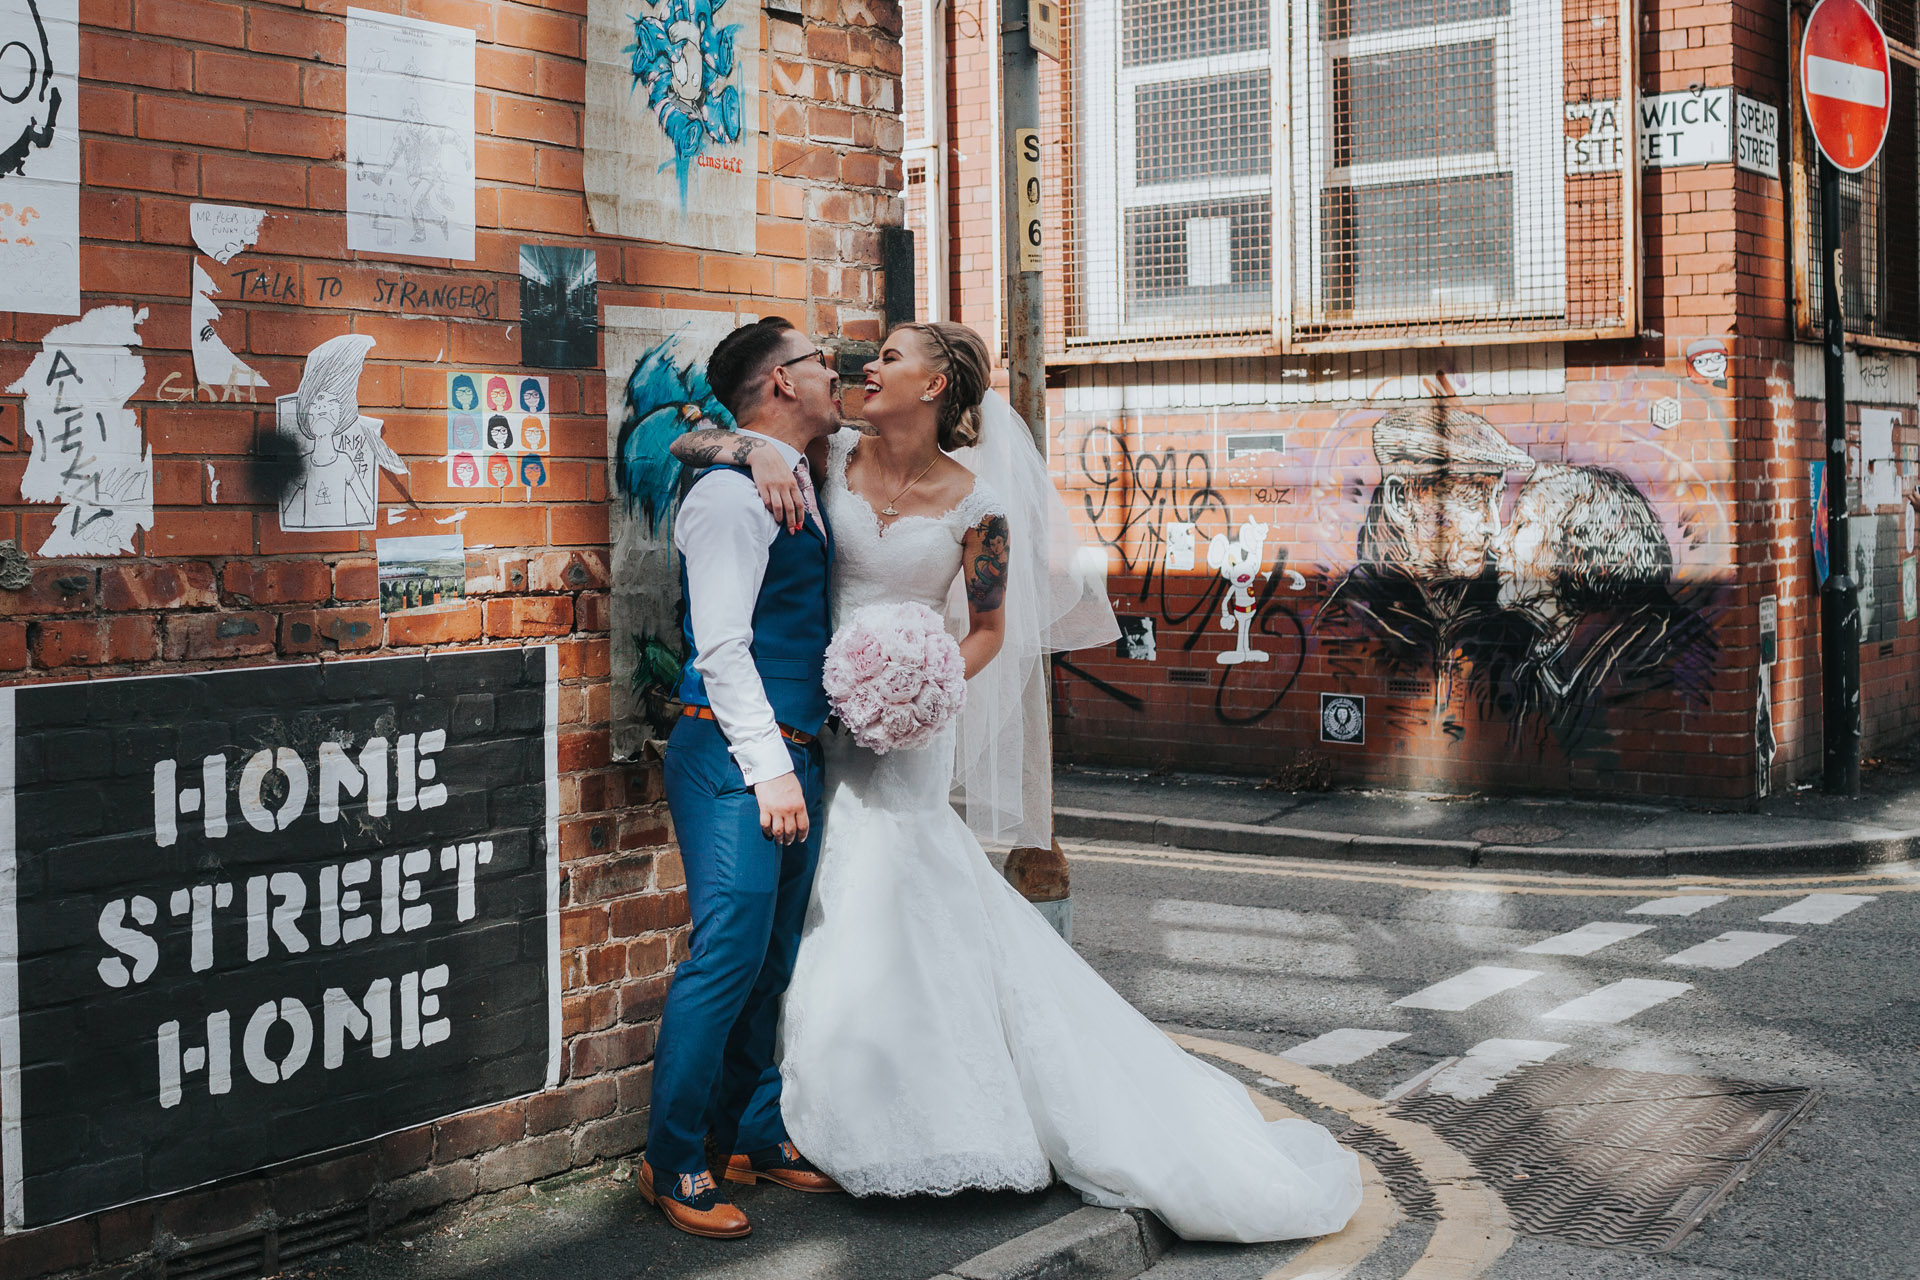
(1237, 561)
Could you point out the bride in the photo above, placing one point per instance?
(938, 1035)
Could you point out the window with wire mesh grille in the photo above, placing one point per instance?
(1878, 209)
(1247, 173)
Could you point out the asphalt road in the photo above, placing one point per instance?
(1310, 958)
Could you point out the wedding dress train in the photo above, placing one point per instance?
(938, 1035)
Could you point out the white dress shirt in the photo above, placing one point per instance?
(725, 532)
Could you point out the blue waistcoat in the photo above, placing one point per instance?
(790, 626)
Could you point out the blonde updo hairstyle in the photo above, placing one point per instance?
(959, 354)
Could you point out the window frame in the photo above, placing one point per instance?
(1096, 329)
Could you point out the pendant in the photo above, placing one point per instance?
(888, 510)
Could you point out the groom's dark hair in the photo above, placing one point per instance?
(740, 362)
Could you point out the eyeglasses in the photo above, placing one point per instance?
(815, 354)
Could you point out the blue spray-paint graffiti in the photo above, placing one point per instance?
(683, 57)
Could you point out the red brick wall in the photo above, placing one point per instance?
(185, 100)
(1715, 265)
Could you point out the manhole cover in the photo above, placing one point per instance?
(1517, 833)
(1397, 1169)
(1621, 1159)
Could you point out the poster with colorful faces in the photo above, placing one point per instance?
(498, 430)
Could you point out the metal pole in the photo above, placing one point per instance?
(1020, 121)
(1840, 595)
(1039, 873)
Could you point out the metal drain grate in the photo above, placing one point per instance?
(1402, 1176)
(249, 1254)
(1622, 1159)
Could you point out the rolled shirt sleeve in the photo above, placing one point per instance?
(726, 533)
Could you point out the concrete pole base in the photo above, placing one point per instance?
(1042, 878)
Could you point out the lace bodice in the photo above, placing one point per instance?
(913, 558)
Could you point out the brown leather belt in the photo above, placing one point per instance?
(795, 736)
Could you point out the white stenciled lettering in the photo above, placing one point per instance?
(433, 1029)
(431, 743)
(399, 882)
(283, 921)
(253, 1046)
(170, 800)
(131, 943)
(370, 1019)
(253, 778)
(202, 901)
(177, 1063)
(339, 773)
(407, 785)
(465, 858)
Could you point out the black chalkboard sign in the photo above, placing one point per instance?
(250, 915)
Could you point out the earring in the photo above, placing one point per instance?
(927, 398)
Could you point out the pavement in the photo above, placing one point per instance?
(1801, 828)
(1335, 949)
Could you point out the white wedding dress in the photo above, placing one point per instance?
(938, 1034)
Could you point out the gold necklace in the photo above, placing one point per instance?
(888, 509)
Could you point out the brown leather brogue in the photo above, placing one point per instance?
(693, 1204)
(783, 1166)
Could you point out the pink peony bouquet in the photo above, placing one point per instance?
(894, 676)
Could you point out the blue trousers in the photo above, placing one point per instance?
(713, 1067)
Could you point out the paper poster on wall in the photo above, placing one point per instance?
(222, 230)
(88, 452)
(214, 364)
(673, 121)
(422, 572)
(1817, 486)
(1909, 589)
(409, 136)
(40, 156)
(338, 448)
(312, 912)
(559, 307)
(656, 389)
(1881, 484)
(499, 430)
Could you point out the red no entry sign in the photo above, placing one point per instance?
(1846, 83)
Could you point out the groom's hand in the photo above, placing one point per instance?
(783, 809)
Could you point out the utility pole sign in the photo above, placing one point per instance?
(1846, 87)
(1026, 172)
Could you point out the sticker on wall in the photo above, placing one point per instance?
(673, 121)
(409, 136)
(1179, 546)
(1817, 539)
(222, 230)
(1909, 589)
(87, 451)
(1707, 362)
(1343, 718)
(214, 364)
(1665, 413)
(1881, 482)
(559, 307)
(338, 449)
(421, 572)
(1237, 560)
(1863, 535)
(40, 156)
(496, 422)
(345, 927)
(1136, 640)
(656, 389)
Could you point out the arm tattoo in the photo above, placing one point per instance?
(987, 571)
(713, 446)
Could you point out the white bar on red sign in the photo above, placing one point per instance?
(1846, 81)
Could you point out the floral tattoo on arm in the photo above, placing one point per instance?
(987, 567)
(713, 446)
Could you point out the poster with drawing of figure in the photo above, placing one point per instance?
(656, 389)
(409, 136)
(339, 450)
(40, 156)
(673, 120)
(559, 307)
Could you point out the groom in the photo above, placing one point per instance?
(743, 780)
